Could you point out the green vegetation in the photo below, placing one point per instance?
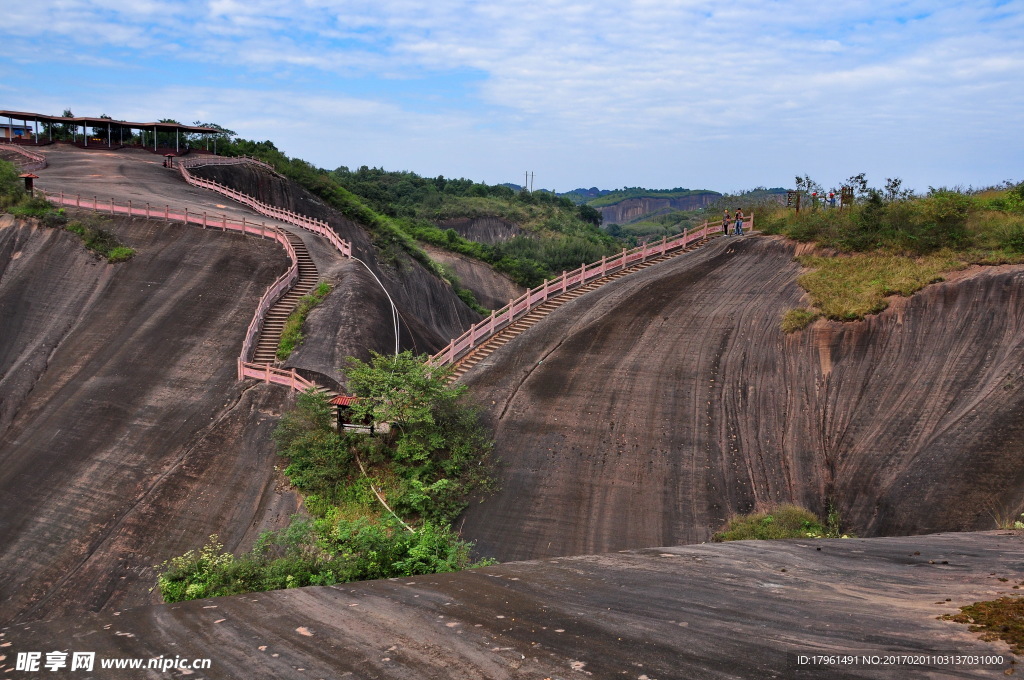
(798, 319)
(785, 521)
(15, 200)
(99, 240)
(1001, 619)
(891, 242)
(849, 287)
(381, 505)
(12, 191)
(291, 336)
(400, 209)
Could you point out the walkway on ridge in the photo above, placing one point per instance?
(139, 177)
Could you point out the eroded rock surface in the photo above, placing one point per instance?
(126, 439)
(740, 610)
(649, 411)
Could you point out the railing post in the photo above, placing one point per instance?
(564, 278)
(186, 215)
(204, 219)
(111, 206)
(147, 211)
(224, 222)
(604, 269)
(583, 273)
(167, 212)
(130, 207)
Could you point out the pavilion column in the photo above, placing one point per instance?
(154, 138)
(85, 134)
(110, 137)
(177, 140)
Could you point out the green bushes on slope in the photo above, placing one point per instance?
(785, 521)
(401, 208)
(291, 335)
(381, 505)
(890, 242)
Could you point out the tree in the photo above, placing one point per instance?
(67, 130)
(437, 445)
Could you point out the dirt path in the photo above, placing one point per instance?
(139, 176)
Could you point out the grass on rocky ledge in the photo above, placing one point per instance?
(849, 287)
(895, 244)
(291, 336)
(1001, 619)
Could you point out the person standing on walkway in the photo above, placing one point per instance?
(726, 221)
(739, 222)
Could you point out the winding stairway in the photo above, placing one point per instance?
(277, 315)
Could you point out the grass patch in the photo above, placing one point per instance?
(785, 521)
(292, 336)
(849, 287)
(1001, 619)
(798, 319)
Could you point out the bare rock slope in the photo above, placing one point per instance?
(740, 610)
(124, 436)
(646, 413)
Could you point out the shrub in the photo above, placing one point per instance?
(785, 521)
(120, 254)
(315, 552)
(291, 334)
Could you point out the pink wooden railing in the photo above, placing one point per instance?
(273, 293)
(316, 226)
(33, 161)
(224, 160)
(521, 306)
(279, 376)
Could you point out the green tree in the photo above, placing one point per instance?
(437, 446)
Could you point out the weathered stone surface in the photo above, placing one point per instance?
(740, 610)
(649, 411)
(486, 229)
(126, 437)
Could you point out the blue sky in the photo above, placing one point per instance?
(697, 94)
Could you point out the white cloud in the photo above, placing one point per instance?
(639, 84)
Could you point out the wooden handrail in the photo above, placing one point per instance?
(500, 319)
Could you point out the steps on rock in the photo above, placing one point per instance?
(502, 337)
(277, 315)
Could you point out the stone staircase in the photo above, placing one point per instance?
(273, 325)
(506, 334)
